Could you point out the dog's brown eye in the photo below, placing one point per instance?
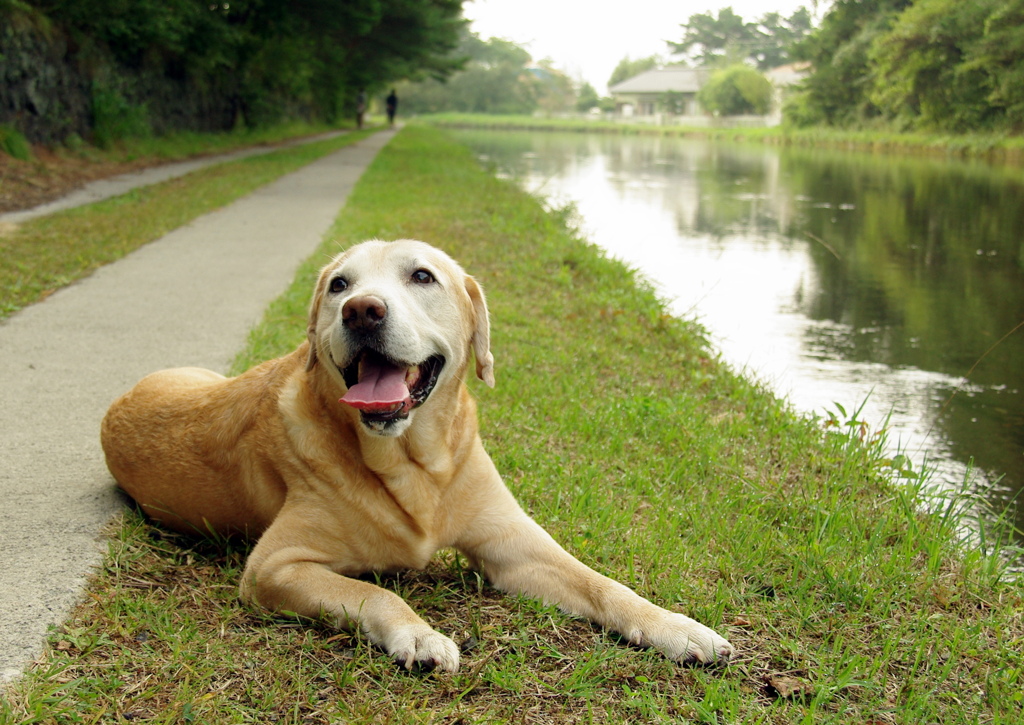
(338, 284)
(422, 276)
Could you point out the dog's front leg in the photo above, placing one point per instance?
(298, 579)
(518, 556)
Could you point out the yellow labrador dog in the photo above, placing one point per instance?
(359, 452)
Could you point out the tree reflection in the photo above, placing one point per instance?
(914, 264)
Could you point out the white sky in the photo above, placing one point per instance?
(588, 39)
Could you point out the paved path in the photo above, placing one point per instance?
(116, 185)
(189, 298)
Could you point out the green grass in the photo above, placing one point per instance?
(618, 429)
(185, 144)
(1002, 148)
(44, 254)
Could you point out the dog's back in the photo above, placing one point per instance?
(177, 443)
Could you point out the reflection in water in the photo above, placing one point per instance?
(835, 277)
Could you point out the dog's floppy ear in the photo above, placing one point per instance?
(481, 340)
(314, 313)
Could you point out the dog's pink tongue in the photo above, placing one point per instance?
(381, 387)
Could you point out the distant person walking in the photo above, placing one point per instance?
(392, 105)
(360, 108)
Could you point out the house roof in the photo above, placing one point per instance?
(787, 75)
(690, 80)
(663, 80)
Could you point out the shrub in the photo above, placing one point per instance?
(115, 119)
(13, 143)
(800, 110)
(736, 90)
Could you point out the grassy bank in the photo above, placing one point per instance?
(620, 432)
(33, 175)
(166, 147)
(184, 144)
(996, 148)
(44, 254)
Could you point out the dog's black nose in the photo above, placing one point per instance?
(364, 314)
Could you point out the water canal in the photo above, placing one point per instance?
(878, 283)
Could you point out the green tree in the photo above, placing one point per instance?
(776, 37)
(836, 93)
(929, 64)
(672, 102)
(555, 90)
(494, 79)
(736, 90)
(274, 57)
(921, 74)
(1000, 52)
(710, 40)
(628, 68)
(727, 38)
(587, 98)
(138, 32)
(369, 44)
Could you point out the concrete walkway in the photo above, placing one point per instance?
(189, 298)
(116, 185)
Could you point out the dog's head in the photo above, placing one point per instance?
(392, 321)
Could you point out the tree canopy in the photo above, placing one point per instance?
(736, 90)
(494, 79)
(497, 77)
(943, 65)
(727, 38)
(273, 54)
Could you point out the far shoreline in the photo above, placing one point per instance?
(996, 149)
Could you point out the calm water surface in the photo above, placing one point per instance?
(834, 277)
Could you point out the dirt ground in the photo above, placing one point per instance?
(49, 176)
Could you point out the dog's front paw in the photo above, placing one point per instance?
(420, 646)
(682, 639)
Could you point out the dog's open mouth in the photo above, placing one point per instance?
(384, 390)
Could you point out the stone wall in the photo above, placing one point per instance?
(47, 81)
(42, 92)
